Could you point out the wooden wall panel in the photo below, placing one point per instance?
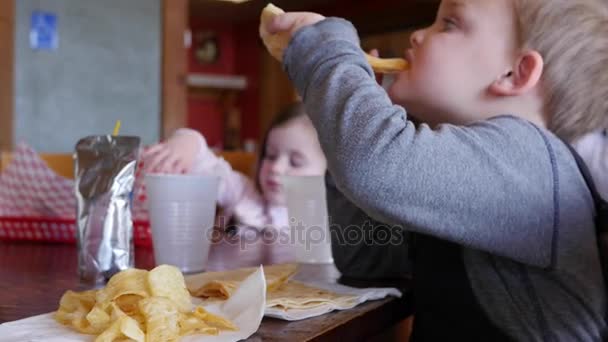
(7, 40)
(276, 90)
(174, 67)
(368, 16)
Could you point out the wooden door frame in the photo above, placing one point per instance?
(7, 67)
(174, 97)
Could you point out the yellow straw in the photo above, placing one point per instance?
(116, 128)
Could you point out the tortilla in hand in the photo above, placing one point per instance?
(277, 43)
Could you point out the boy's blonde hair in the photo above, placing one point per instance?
(572, 37)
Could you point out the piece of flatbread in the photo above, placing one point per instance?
(386, 65)
(221, 285)
(277, 43)
(297, 295)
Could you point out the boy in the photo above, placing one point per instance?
(503, 222)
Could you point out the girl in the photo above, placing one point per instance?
(290, 147)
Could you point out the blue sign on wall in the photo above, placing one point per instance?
(43, 31)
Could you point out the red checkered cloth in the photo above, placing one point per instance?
(29, 188)
(140, 203)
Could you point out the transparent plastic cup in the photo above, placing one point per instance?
(308, 219)
(182, 213)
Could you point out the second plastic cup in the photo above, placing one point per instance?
(182, 213)
(308, 219)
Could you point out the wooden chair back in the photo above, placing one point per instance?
(63, 164)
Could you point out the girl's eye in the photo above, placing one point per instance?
(271, 156)
(296, 161)
(448, 24)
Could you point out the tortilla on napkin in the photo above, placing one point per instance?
(221, 285)
(297, 295)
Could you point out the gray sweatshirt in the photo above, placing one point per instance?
(506, 190)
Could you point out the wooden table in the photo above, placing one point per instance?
(34, 276)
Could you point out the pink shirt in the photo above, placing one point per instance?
(238, 194)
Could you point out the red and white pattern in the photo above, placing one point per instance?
(57, 230)
(32, 229)
(139, 209)
(39, 205)
(28, 187)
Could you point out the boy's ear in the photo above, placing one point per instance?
(524, 76)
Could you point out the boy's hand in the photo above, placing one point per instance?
(277, 27)
(291, 22)
(375, 53)
(175, 155)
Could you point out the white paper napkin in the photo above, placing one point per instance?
(245, 309)
(361, 296)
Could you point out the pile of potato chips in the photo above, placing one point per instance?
(139, 305)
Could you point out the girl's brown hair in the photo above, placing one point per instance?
(293, 111)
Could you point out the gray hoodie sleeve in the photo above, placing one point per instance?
(362, 247)
(490, 186)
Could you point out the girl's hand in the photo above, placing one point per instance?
(175, 155)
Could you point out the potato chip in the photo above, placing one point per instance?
(168, 281)
(110, 334)
(125, 327)
(128, 303)
(72, 301)
(116, 313)
(78, 321)
(162, 319)
(73, 309)
(189, 324)
(131, 329)
(99, 319)
(131, 281)
(137, 305)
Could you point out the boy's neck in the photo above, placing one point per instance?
(536, 119)
(529, 108)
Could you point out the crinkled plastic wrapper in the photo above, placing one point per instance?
(105, 174)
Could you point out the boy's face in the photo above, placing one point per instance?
(455, 60)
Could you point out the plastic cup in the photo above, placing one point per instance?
(308, 219)
(182, 214)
